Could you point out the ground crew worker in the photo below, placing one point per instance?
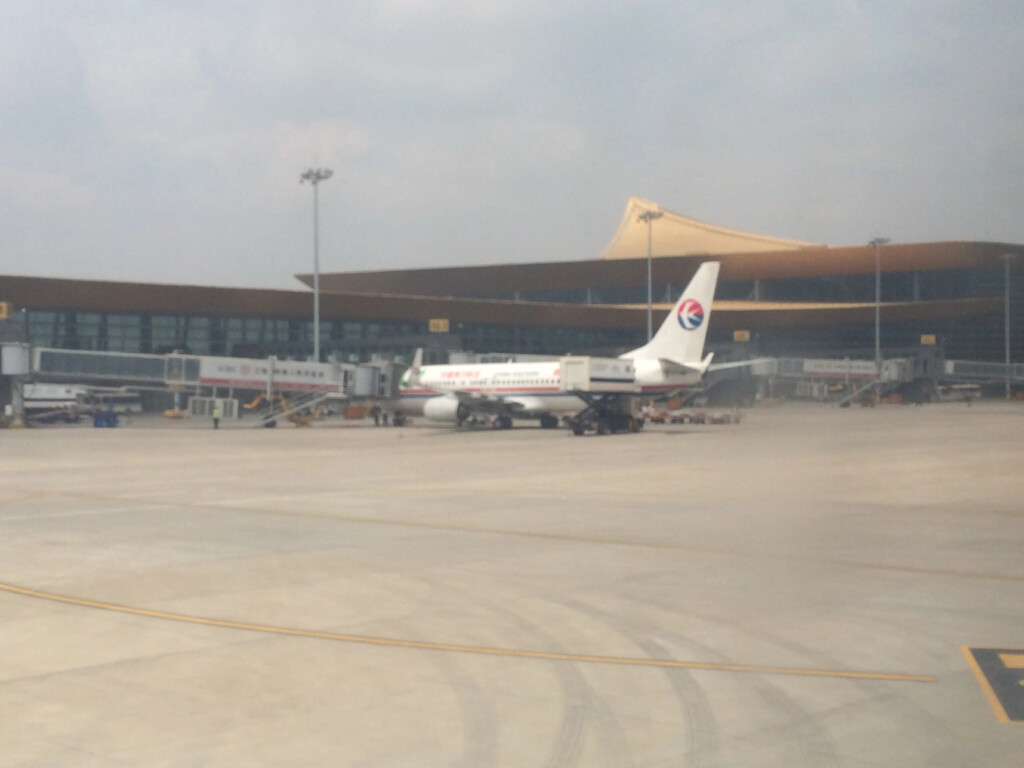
(216, 417)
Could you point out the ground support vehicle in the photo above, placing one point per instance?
(607, 414)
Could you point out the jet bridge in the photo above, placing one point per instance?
(196, 374)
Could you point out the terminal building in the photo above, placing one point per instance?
(780, 297)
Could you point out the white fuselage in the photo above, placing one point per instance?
(535, 388)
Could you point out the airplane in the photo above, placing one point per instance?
(670, 361)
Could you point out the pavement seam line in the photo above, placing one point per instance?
(470, 649)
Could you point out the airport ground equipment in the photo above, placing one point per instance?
(604, 375)
(203, 407)
(301, 410)
(255, 403)
(106, 418)
(608, 386)
(45, 403)
(607, 414)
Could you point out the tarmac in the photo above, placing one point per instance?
(800, 589)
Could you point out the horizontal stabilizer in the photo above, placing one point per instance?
(760, 366)
(676, 368)
(672, 368)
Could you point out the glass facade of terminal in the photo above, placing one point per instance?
(970, 338)
(292, 338)
(975, 338)
(934, 285)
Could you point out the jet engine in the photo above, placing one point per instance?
(445, 409)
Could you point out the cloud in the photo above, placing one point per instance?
(166, 139)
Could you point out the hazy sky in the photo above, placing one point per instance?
(163, 141)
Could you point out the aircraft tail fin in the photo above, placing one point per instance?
(680, 338)
(411, 377)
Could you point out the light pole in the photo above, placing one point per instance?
(878, 242)
(649, 217)
(314, 176)
(1006, 317)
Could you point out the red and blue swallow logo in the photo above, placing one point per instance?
(691, 314)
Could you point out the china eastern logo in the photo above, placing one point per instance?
(691, 314)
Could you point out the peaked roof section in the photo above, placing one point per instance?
(676, 235)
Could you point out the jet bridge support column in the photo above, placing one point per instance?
(15, 363)
(271, 364)
(17, 402)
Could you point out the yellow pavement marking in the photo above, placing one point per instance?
(508, 652)
(1012, 661)
(993, 700)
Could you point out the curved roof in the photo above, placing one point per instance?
(42, 293)
(497, 280)
(677, 235)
